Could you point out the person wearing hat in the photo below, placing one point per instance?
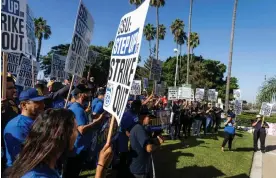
(18, 128)
(97, 104)
(81, 149)
(229, 133)
(259, 133)
(141, 147)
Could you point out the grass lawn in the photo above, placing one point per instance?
(203, 158)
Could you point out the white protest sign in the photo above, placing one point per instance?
(78, 51)
(184, 93)
(13, 28)
(124, 60)
(272, 129)
(24, 73)
(57, 67)
(13, 62)
(145, 83)
(172, 93)
(237, 94)
(136, 87)
(212, 94)
(30, 30)
(266, 109)
(238, 107)
(199, 95)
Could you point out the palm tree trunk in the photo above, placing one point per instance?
(189, 34)
(157, 32)
(230, 56)
(151, 60)
(180, 51)
(38, 48)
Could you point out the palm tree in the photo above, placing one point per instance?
(189, 32)
(230, 55)
(162, 32)
(137, 3)
(157, 4)
(42, 31)
(150, 33)
(194, 42)
(177, 29)
(180, 41)
(110, 44)
(267, 91)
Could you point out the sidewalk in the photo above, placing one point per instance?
(263, 165)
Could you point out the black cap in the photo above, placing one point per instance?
(81, 88)
(147, 113)
(101, 92)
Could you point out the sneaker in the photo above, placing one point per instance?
(222, 149)
(263, 151)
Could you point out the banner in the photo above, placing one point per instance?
(184, 93)
(237, 94)
(24, 73)
(266, 109)
(145, 83)
(238, 107)
(30, 30)
(212, 95)
(136, 87)
(78, 51)
(13, 28)
(124, 60)
(57, 67)
(199, 95)
(272, 129)
(13, 63)
(172, 93)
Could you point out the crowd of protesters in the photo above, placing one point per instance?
(42, 139)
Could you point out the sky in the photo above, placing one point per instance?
(254, 55)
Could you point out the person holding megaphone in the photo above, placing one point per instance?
(259, 132)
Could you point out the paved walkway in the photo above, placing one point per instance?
(263, 165)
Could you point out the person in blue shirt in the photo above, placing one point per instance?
(229, 133)
(82, 143)
(97, 103)
(129, 119)
(18, 128)
(54, 133)
(141, 147)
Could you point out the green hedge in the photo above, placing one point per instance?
(245, 119)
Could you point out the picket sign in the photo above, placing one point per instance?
(124, 60)
(199, 95)
(57, 67)
(238, 107)
(172, 93)
(4, 79)
(78, 51)
(13, 16)
(77, 56)
(266, 109)
(136, 87)
(33, 77)
(237, 94)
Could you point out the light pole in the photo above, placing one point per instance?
(176, 67)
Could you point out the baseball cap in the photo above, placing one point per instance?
(101, 92)
(147, 113)
(258, 116)
(30, 95)
(81, 88)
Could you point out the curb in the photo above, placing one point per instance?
(257, 165)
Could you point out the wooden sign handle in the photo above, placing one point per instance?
(4, 75)
(70, 89)
(108, 141)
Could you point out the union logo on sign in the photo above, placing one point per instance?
(108, 96)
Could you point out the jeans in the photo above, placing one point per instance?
(208, 122)
(259, 134)
(196, 127)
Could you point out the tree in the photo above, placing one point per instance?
(149, 33)
(42, 31)
(157, 4)
(267, 91)
(180, 41)
(177, 29)
(137, 3)
(230, 55)
(189, 35)
(194, 41)
(110, 44)
(162, 32)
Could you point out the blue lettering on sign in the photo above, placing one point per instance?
(126, 44)
(11, 7)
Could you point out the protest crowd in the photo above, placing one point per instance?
(59, 127)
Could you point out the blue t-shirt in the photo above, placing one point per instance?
(97, 106)
(42, 171)
(15, 134)
(140, 163)
(230, 128)
(82, 142)
(129, 119)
